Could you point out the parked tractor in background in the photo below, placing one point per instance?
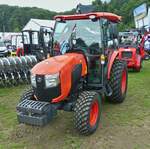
(130, 49)
(86, 69)
(36, 43)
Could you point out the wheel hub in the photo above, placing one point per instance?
(94, 113)
(124, 82)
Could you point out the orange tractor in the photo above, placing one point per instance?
(83, 68)
(131, 50)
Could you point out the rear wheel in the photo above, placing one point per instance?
(87, 112)
(118, 81)
(139, 68)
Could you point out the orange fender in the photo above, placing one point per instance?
(111, 60)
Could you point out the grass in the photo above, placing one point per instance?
(122, 126)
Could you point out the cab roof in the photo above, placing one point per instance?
(110, 16)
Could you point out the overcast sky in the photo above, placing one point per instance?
(54, 5)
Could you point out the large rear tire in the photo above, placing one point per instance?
(118, 81)
(138, 69)
(87, 112)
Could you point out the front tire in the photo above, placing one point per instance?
(118, 81)
(87, 112)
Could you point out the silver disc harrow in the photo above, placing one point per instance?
(16, 70)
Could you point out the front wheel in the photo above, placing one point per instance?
(87, 112)
(118, 81)
(28, 94)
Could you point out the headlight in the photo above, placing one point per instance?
(33, 80)
(52, 80)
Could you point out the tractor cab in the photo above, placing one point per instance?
(93, 35)
(88, 33)
(37, 42)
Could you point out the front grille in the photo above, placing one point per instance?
(126, 54)
(45, 94)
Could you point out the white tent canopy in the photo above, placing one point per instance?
(7, 35)
(35, 24)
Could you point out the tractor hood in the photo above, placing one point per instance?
(56, 64)
(65, 65)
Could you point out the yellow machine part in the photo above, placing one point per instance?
(13, 54)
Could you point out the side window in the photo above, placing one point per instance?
(112, 35)
(35, 38)
(105, 31)
(108, 32)
(26, 38)
(110, 42)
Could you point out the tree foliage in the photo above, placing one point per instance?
(13, 18)
(123, 8)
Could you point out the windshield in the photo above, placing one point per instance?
(35, 39)
(129, 38)
(26, 37)
(16, 40)
(87, 34)
(2, 44)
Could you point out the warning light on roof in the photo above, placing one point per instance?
(92, 16)
(58, 19)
